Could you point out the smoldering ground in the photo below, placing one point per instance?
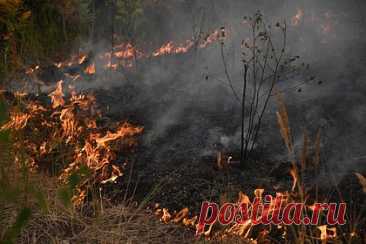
(328, 35)
(189, 111)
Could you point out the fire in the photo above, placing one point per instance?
(66, 126)
(125, 55)
(125, 130)
(57, 96)
(82, 59)
(90, 69)
(17, 121)
(30, 70)
(295, 178)
(327, 233)
(295, 20)
(171, 48)
(69, 124)
(111, 66)
(211, 38)
(326, 28)
(127, 51)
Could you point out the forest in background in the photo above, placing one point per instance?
(44, 30)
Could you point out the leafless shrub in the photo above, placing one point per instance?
(265, 62)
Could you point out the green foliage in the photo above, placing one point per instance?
(33, 31)
(13, 21)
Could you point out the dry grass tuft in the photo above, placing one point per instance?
(282, 118)
(118, 224)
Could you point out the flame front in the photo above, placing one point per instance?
(171, 48)
(90, 69)
(125, 54)
(295, 20)
(67, 125)
(57, 95)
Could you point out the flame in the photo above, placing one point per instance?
(69, 127)
(57, 96)
(17, 121)
(90, 69)
(181, 215)
(31, 70)
(125, 130)
(294, 175)
(127, 52)
(111, 66)
(171, 48)
(166, 216)
(295, 20)
(82, 59)
(326, 27)
(211, 38)
(190, 222)
(69, 123)
(327, 233)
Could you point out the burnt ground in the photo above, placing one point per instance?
(185, 118)
(174, 162)
(179, 175)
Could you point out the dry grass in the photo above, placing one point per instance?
(97, 221)
(118, 224)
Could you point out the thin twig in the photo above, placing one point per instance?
(227, 73)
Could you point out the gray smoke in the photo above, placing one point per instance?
(187, 104)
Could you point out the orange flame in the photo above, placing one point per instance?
(17, 121)
(327, 233)
(210, 39)
(128, 51)
(111, 66)
(171, 48)
(82, 59)
(125, 130)
(90, 69)
(57, 96)
(297, 18)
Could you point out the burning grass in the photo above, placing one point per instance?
(303, 161)
(66, 134)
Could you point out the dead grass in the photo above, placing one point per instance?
(118, 224)
(92, 223)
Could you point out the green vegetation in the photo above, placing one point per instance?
(42, 30)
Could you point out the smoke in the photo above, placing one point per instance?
(185, 102)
